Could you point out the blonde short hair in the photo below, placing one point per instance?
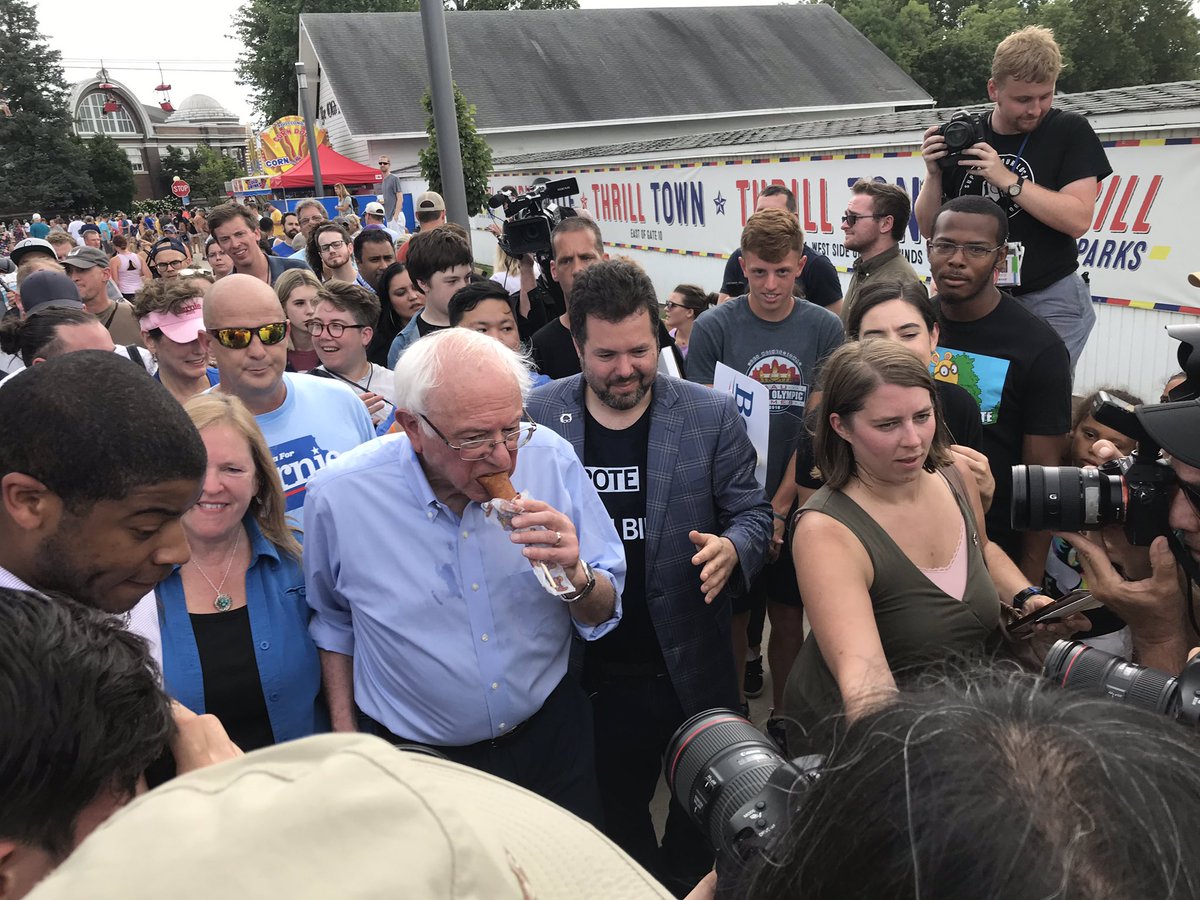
(1030, 54)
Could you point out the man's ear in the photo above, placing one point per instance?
(28, 502)
(8, 879)
(412, 427)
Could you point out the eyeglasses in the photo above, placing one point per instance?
(851, 219)
(671, 304)
(949, 248)
(171, 266)
(336, 329)
(385, 165)
(474, 451)
(240, 338)
(332, 245)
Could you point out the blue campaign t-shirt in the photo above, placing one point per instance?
(319, 420)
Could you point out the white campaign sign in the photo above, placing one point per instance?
(753, 400)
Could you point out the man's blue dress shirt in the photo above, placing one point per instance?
(453, 638)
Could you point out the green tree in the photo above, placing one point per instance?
(41, 167)
(212, 171)
(179, 162)
(476, 154)
(111, 173)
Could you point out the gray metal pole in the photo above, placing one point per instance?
(302, 83)
(441, 87)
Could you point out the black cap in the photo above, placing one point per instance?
(49, 290)
(1175, 427)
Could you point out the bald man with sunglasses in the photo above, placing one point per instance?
(307, 421)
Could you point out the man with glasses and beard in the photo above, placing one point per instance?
(453, 642)
(307, 421)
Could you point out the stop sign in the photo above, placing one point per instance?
(181, 188)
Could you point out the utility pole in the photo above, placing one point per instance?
(310, 131)
(441, 90)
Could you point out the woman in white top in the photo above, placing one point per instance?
(128, 270)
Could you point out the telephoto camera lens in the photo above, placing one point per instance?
(1072, 664)
(1065, 498)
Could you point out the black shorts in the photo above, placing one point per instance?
(775, 583)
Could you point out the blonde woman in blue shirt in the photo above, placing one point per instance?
(234, 618)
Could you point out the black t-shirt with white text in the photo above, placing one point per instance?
(616, 463)
(1061, 150)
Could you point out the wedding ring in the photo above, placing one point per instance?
(557, 539)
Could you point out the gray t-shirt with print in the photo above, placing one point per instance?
(786, 356)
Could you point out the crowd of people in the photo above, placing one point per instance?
(268, 477)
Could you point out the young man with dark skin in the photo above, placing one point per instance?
(1008, 357)
(373, 252)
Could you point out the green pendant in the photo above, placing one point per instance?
(223, 603)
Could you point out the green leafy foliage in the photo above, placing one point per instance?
(111, 172)
(947, 45)
(42, 167)
(476, 154)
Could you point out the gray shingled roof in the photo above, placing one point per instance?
(1142, 98)
(544, 67)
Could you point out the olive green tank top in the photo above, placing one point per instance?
(919, 624)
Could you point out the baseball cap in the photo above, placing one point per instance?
(430, 201)
(345, 815)
(181, 327)
(30, 245)
(49, 290)
(89, 227)
(1173, 426)
(374, 209)
(85, 257)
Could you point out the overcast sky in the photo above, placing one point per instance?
(196, 54)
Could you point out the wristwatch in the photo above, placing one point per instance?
(586, 589)
(1018, 600)
(1014, 190)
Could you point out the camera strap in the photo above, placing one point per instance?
(1191, 571)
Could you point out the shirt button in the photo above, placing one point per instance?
(274, 696)
(495, 685)
(265, 645)
(430, 513)
(503, 725)
(466, 534)
(474, 587)
(484, 638)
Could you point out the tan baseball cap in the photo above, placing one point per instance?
(345, 815)
(430, 201)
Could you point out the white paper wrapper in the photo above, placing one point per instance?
(552, 577)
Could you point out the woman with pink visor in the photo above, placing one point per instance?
(171, 314)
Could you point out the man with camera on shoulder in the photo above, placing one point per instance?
(1041, 165)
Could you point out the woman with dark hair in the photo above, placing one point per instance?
(127, 270)
(51, 331)
(892, 558)
(399, 301)
(218, 260)
(686, 302)
(233, 618)
(994, 786)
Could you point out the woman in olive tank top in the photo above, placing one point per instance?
(892, 558)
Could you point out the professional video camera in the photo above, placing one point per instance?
(530, 217)
(1134, 491)
(735, 785)
(962, 131)
(1072, 664)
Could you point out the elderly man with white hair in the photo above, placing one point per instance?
(433, 624)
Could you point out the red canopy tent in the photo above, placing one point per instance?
(335, 169)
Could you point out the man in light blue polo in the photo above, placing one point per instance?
(432, 624)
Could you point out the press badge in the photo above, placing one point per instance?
(1010, 271)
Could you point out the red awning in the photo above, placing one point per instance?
(335, 169)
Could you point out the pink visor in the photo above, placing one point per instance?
(181, 327)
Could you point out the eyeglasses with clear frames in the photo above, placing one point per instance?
(336, 329)
(949, 248)
(474, 451)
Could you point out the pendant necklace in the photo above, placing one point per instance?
(223, 602)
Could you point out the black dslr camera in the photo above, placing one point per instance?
(736, 787)
(962, 131)
(1134, 491)
(530, 217)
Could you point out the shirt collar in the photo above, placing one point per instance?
(865, 267)
(415, 476)
(12, 582)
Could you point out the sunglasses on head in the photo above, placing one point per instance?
(240, 338)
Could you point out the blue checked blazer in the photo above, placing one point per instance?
(700, 476)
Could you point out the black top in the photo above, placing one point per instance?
(1017, 369)
(424, 328)
(616, 463)
(232, 687)
(960, 412)
(818, 282)
(1062, 149)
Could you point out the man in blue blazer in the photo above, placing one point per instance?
(673, 464)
